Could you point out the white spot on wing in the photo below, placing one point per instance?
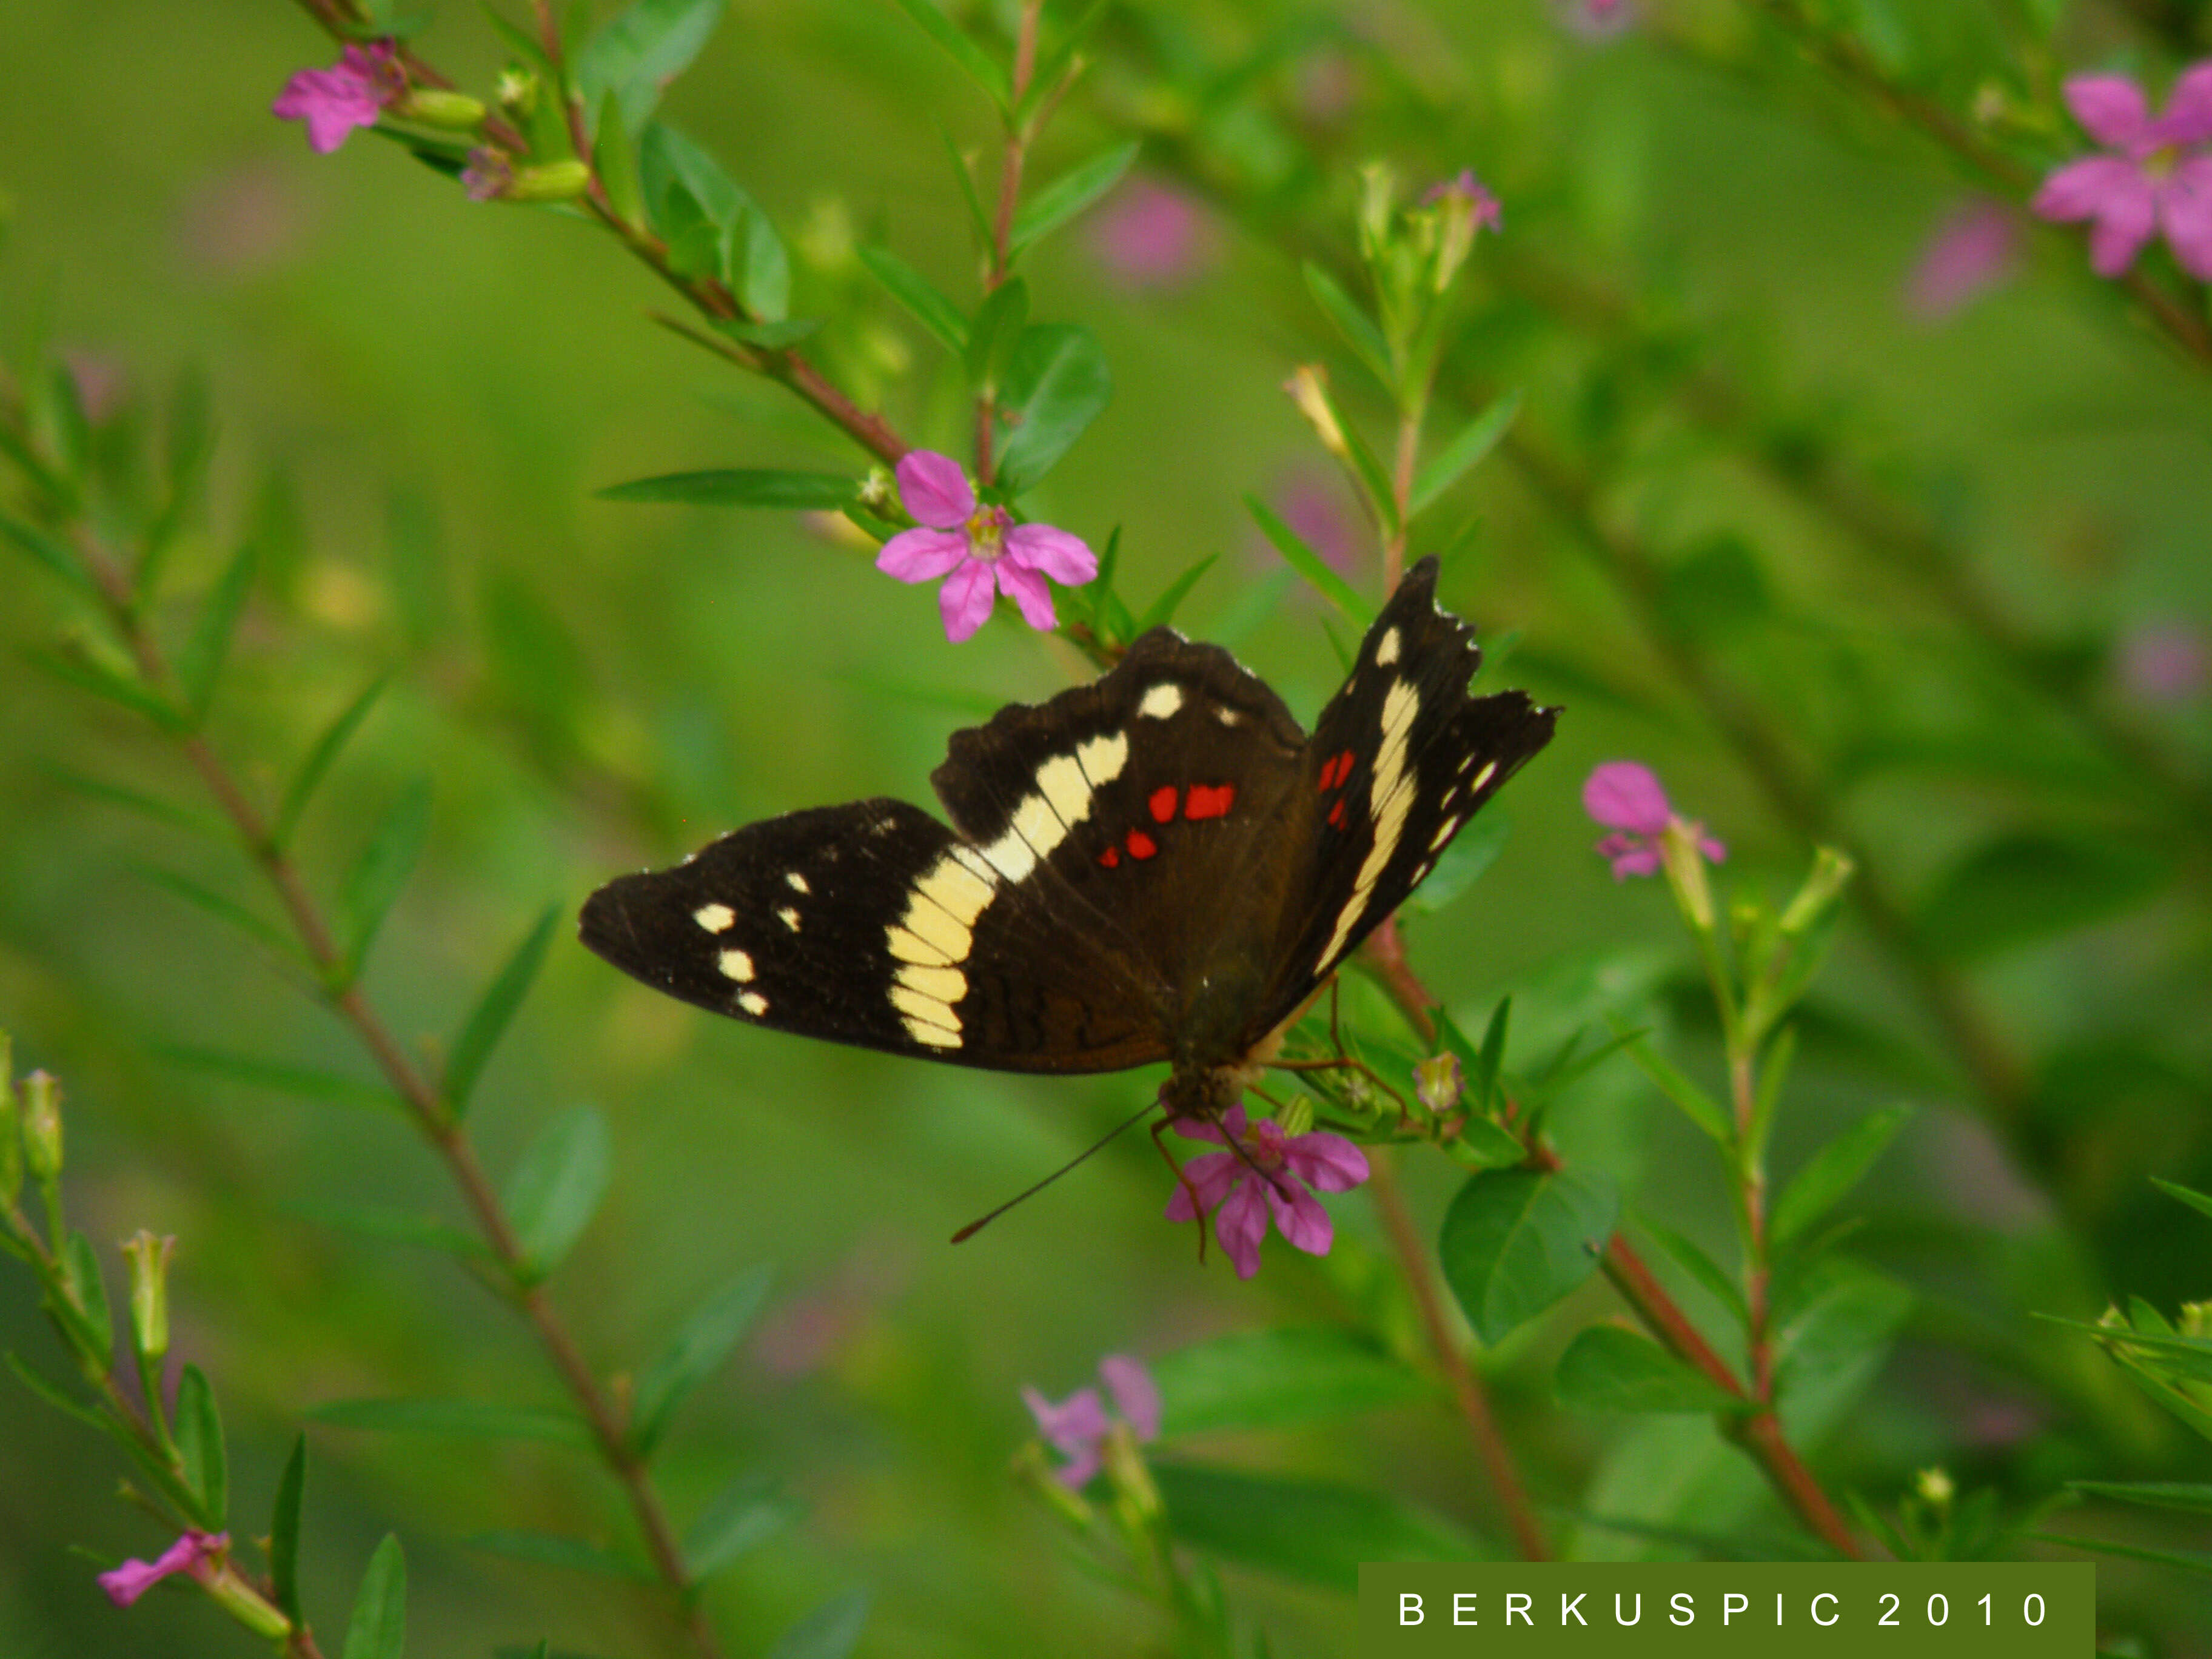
(753, 1003)
(910, 946)
(1063, 786)
(940, 913)
(927, 1011)
(947, 985)
(1485, 775)
(1103, 758)
(789, 917)
(1387, 651)
(1443, 835)
(715, 918)
(1387, 806)
(798, 883)
(736, 965)
(1228, 716)
(935, 1035)
(1162, 700)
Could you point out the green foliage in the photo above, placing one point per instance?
(487, 1021)
(557, 1185)
(700, 1344)
(1608, 1369)
(379, 1627)
(1055, 384)
(1271, 1378)
(1515, 1241)
(1310, 1532)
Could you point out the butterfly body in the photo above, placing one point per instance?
(1160, 866)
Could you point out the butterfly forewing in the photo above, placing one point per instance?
(1401, 758)
(873, 924)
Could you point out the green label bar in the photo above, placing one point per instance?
(1800, 1609)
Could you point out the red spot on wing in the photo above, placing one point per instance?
(1164, 803)
(1336, 813)
(1140, 845)
(1110, 857)
(1334, 770)
(1212, 803)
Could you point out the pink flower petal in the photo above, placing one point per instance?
(2110, 109)
(964, 601)
(332, 102)
(1329, 1162)
(922, 555)
(1136, 1396)
(2081, 190)
(1075, 1473)
(2186, 211)
(2188, 118)
(126, 1583)
(1206, 1182)
(934, 489)
(1714, 851)
(2124, 224)
(1305, 1225)
(1629, 856)
(1626, 795)
(1077, 1422)
(1240, 1224)
(1027, 589)
(1064, 557)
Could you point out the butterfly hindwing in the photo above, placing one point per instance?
(873, 924)
(1400, 759)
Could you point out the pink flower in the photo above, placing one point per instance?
(971, 546)
(1974, 249)
(489, 176)
(2164, 662)
(1625, 798)
(134, 1579)
(1152, 237)
(1270, 1173)
(1597, 20)
(349, 93)
(1079, 1426)
(2160, 177)
(1471, 192)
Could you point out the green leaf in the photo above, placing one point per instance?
(296, 1080)
(712, 227)
(978, 221)
(549, 1550)
(1056, 384)
(637, 52)
(48, 552)
(396, 1227)
(2188, 1561)
(374, 885)
(556, 1186)
(1475, 440)
(1311, 1531)
(316, 764)
(219, 906)
(2192, 1496)
(379, 1630)
(1473, 851)
(769, 337)
(748, 1513)
(1308, 563)
(2195, 1200)
(919, 295)
(74, 669)
(116, 794)
(1490, 1059)
(1829, 1351)
(200, 665)
(700, 1346)
(473, 1419)
(1359, 329)
(1068, 195)
(56, 1396)
(198, 1430)
(1516, 1241)
(480, 1033)
(1834, 1171)
(1692, 1258)
(1163, 609)
(984, 72)
(614, 162)
(1700, 1107)
(1053, 63)
(740, 487)
(1607, 1369)
(90, 1310)
(996, 330)
(1268, 1379)
(2031, 886)
(284, 1532)
(831, 1631)
(1483, 1144)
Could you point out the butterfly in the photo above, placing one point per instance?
(1159, 865)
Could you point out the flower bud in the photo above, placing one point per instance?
(429, 106)
(518, 91)
(556, 181)
(1136, 1496)
(878, 493)
(2196, 1320)
(42, 1127)
(1935, 1487)
(1821, 891)
(1685, 872)
(1033, 1469)
(1297, 1118)
(1309, 389)
(1378, 194)
(244, 1603)
(1438, 1083)
(148, 1259)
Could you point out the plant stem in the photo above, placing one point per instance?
(1019, 132)
(432, 1117)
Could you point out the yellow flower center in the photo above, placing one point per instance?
(987, 531)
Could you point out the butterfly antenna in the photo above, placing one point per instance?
(977, 1225)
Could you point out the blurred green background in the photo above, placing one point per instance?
(1700, 288)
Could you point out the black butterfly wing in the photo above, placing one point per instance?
(1401, 758)
(873, 924)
